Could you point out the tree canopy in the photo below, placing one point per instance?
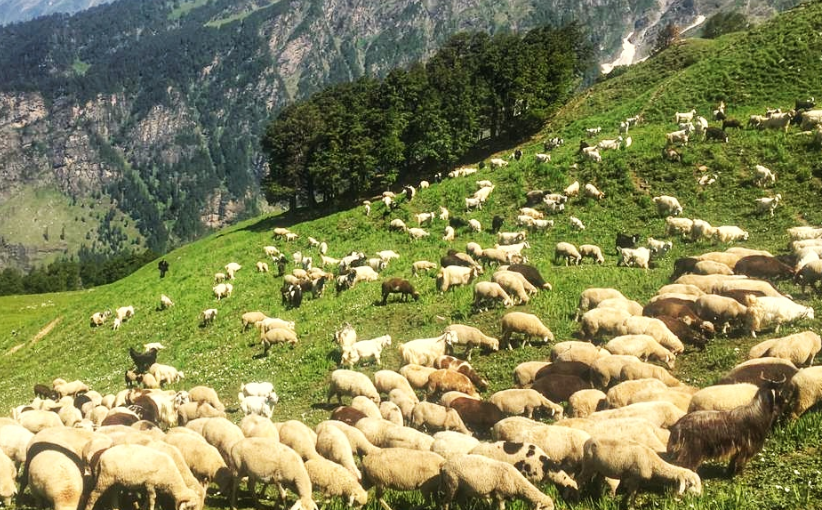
(354, 137)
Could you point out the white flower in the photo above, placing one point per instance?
(796, 471)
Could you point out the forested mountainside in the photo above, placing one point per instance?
(151, 112)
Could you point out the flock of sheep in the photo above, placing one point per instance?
(618, 413)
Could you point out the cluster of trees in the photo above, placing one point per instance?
(89, 269)
(354, 137)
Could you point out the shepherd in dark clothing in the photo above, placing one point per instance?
(163, 267)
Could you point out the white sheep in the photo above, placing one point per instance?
(420, 266)
(231, 269)
(805, 390)
(542, 158)
(524, 401)
(397, 224)
(485, 477)
(667, 205)
(417, 233)
(644, 347)
(365, 349)
(403, 469)
(576, 223)
(681, 226)
(483, 193)
(722, 397)
(633, 464)
(591, 251)
(135, 466)
(449, 233)
(766, 311)
(472, 203)
(568, 252)
(54, 478)
(452, 276)
(591, 132)
(222, 290)
(591, 191)
(729, 234)
(613, 144)
(436, 417)
(592, 154)
(331, 479)
(573, 350)
(497, 163)
(348, 382)
(639, 257)
(472, 337)
(475, 225)
(799, 348)
(263, 459)
(485, 292)
(526, 324)
(583, 403)
(165, 373)
(659, 247)
(334, 445)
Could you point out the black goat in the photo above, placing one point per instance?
(43, 391)
(292, 296)
(714, 133)
(496, 223)
(143, 360)
(627, 240)
(805, 104)
(731, 123)
(739, 433)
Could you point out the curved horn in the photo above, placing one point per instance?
(762, 376)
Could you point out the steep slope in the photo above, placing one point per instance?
(160, 106)
(750, 71)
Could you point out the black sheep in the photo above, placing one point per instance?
(683, 266)
(805, 104)
(534, 197)
(531, 274)
(292, 296)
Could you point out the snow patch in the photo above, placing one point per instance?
(625, 58)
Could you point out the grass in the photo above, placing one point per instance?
(217, 23)
(184, 8)
(785, 475)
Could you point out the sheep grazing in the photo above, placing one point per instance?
(266, 460)
(397, 224)
(591, 191)
(810, 274)
(143, 360)
(484, 477)
(531, 274)
(403, 469)
(490, 292)
(526, 324)
(222, 290)
(766, 311)
(804, 390)
(763, 266)
(762, 176)
(593, 252)
(332, 479)
(633, 464)
(425, 351)
(436, 417)
(568, 252)
(348, 382)
(739, 433)
(135, 466)
(277, 336)
(398, 286)
(524, 401)
(444, 380)
(471, 338)
(667, 205)
(677, 137)
(451, 276)
(421, 266)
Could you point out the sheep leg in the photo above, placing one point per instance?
(384, 504)
(152, 497)
(235, 484)
(98, 491)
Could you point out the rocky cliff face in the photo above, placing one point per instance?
(175, 140)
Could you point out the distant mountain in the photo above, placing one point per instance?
(15, 11)
(151, 112)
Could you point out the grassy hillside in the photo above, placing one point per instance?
(42, 337)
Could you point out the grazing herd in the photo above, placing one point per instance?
(605, 406)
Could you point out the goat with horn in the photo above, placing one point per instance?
(738, 434)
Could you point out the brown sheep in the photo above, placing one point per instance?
(447, 380)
